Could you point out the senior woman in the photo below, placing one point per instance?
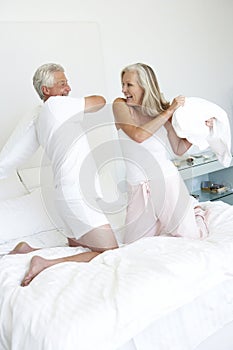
(158, 200)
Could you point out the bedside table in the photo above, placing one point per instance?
(205, 167)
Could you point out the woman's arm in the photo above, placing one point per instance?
(179, 145)
(124, 121)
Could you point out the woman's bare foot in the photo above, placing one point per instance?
(201, 220)
(37, 265)
(22, 248)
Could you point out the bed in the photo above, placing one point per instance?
(160, 293)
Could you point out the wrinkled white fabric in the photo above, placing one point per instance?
(189, 122)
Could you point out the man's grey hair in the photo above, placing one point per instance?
(44, 76)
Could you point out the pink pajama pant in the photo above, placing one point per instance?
(168, 209)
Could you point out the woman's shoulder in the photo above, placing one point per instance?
(119, 99)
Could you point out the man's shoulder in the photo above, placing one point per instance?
(63, 100)
(64, 106)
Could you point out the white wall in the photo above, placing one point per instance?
(188, 43)
(24, 49)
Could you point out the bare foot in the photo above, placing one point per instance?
(201, 216)
(22, 248)
(37, 265)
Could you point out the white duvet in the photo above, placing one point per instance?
(102, 304)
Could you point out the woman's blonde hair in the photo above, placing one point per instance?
(153, 101)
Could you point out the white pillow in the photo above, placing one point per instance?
(12, 187)
(189, 122)
(53, 238)
(36, 177)
(24, 216)
(21, 145)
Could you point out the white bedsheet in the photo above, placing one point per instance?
(102, 304)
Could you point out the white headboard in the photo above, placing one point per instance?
(27, 45)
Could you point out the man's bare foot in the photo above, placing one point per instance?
(37, 265)
(22, 248)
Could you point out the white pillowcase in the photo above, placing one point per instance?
(46, 239)
(189, 122)
(24, 216)
(37, 177)
(12, 187)
(21, 145)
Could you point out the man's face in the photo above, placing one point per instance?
(60, 87)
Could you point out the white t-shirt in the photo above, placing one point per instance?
(61, 135)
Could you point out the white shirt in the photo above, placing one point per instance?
(60, 133)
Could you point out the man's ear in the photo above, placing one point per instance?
(45, 90)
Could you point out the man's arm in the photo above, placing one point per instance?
(94, 103)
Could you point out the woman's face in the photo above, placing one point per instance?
(131, 89)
